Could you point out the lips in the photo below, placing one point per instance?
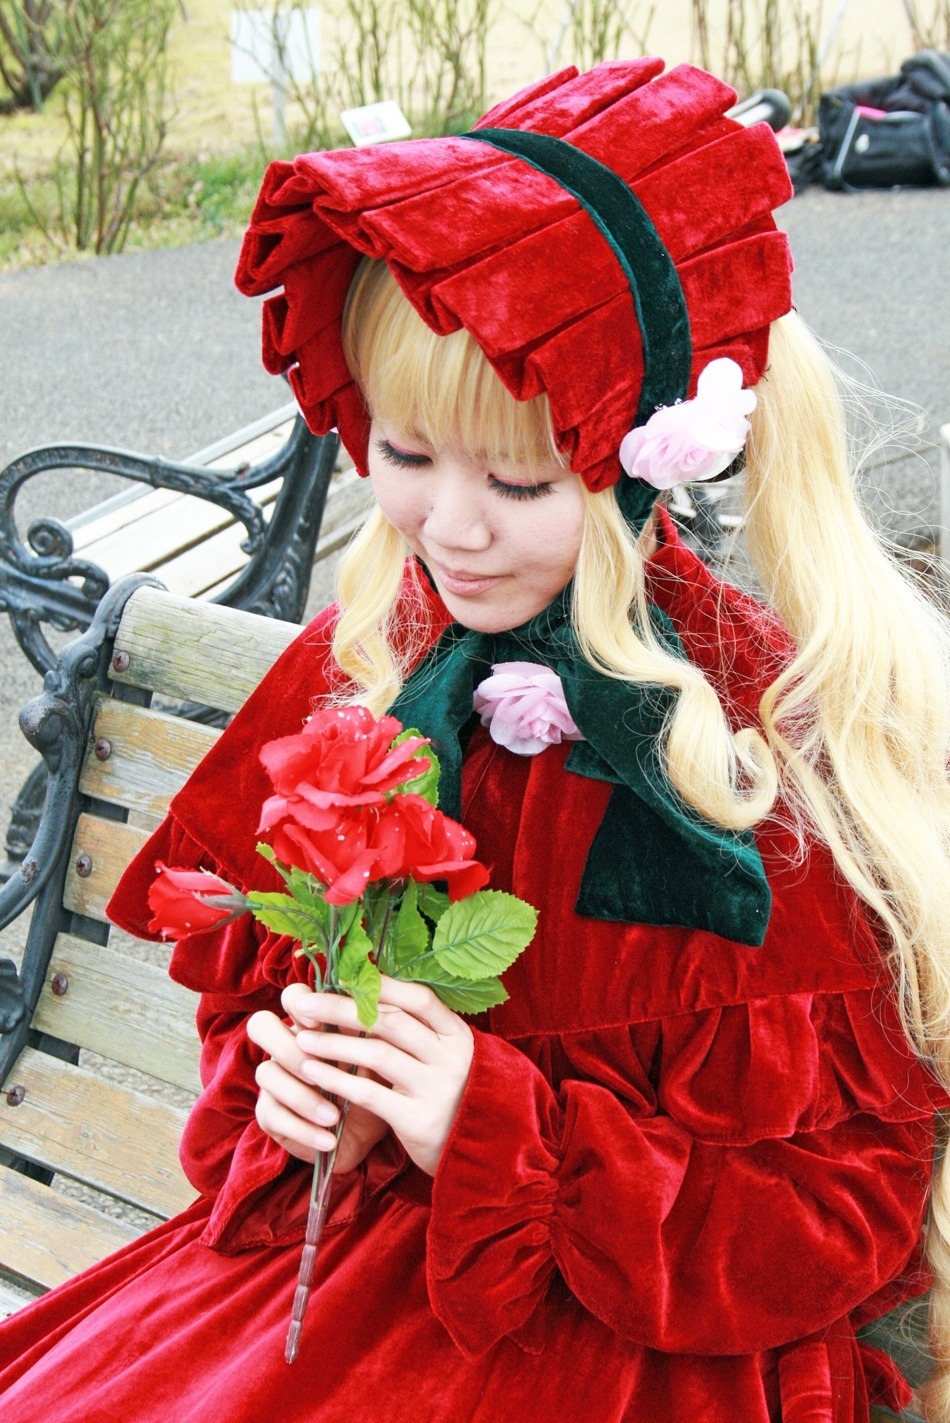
(463, 583)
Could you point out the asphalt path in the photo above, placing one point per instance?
(156, 351)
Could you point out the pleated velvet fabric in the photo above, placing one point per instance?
(478, 238)
(684, 1170)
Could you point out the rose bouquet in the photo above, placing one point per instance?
(354, 832)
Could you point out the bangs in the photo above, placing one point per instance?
(440, 389)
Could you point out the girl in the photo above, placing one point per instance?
(693, 1152)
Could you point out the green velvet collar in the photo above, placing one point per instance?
(653, 860)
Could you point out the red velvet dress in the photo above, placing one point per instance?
(683, 1170)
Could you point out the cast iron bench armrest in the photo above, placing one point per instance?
(74, 991)
(52, 577)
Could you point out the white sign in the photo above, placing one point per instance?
(376, 123)
(268, 47)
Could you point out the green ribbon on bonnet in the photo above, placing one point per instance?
(653, 860)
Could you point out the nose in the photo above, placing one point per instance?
(457, 518)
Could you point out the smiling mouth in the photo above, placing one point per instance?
(462, 583)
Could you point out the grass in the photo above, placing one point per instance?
(192, 199)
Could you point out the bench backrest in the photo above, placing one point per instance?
(102, 1067)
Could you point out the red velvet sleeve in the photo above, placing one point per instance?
(681, 1232)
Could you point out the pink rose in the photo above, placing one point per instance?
(523, 706)
(696, 439)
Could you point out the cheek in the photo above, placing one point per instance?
(557, 543)
(395, 497)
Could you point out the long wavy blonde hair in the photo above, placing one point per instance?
(855, 732)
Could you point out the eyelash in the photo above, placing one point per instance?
(519, 491)
(400, 457)
(403, 460)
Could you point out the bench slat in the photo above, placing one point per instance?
(152, 756)
(49, 1237)
(110, 846)
(91, 535)
(214, 560)
(346, 508)
(14, 1296)
(144, 501)
(349, 499)
(143, 545)
(106, 1150)
(199, 652)
(125, 1010)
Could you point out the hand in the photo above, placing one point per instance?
(414, 1063)
(295, 1114)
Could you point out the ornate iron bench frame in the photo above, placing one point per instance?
(44, 584)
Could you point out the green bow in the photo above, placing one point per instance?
(653, 860)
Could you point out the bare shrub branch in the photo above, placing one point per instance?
(30, 44)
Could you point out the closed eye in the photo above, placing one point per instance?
(518, 491)
(404, 459)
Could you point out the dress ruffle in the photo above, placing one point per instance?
(753, 1071)
(472, 236)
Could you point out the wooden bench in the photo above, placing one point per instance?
(242, 523)
(89, 1152)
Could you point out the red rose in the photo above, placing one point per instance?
(363, 843)
(342, 759)
(334, 813)
(437, 848)
(179, 901)
(404, 838)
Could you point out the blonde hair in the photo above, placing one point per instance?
(855, 732)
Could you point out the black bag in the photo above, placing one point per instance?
(906, 145)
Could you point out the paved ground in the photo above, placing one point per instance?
(872, 277)
(157, 351)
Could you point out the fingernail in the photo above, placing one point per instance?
(310, 1071)
(325, 1113)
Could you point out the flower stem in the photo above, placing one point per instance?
(316, 1219)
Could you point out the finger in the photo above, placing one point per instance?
(410, 1016)
(298, 1096)
(278, 1040)
(360, 1091)
(420, 1000)
(406, 1032)
(293, 1133)
(391, 1063)
(311, 1010)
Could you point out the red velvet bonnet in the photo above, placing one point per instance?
(477, 237)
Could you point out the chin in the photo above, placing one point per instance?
(484, 619)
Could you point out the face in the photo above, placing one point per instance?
(499, 540)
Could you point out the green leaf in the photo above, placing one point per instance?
(358, 976)
(460, 994)
(305, 888)
(308, 891)
(410, 932)
(283, 914)
(483, 934)
(432, 902)
(427, 784)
